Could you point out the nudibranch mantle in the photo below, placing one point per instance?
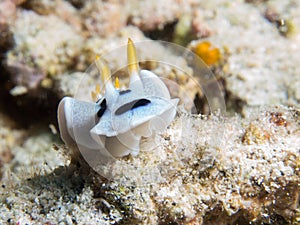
(115, 123)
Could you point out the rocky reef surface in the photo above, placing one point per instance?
(238, 167)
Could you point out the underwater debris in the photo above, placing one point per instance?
(285, 27)
(278, 118)
(255, 134)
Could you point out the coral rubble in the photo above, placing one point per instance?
(202, 170)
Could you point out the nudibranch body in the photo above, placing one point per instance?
(115, 123)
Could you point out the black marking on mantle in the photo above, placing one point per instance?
(102, 108)
(132, 105)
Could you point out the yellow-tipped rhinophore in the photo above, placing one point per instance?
(117, 83)
(133, 66)
(110, 91)
(103, 69)
(95, 94)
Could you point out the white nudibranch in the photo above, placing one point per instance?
(115, 123)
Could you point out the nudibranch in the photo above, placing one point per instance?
(115, 123)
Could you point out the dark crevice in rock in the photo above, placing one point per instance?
(35, 107)
(234, 104)
(165, 34)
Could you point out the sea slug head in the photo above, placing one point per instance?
(114, 124)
